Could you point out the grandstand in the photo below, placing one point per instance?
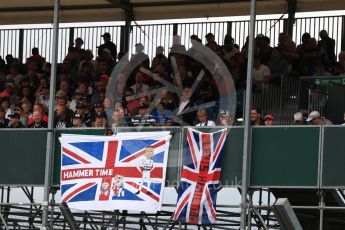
(101, 80)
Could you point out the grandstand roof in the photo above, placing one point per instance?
(41, 11)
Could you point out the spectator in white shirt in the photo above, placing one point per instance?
(203, 118)
(261, 75)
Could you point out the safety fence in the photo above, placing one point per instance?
(19, 42)
(283, 157)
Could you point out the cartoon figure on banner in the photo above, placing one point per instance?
(118, 188)
(105, 188)
(146, 166)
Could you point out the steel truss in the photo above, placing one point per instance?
(29, 216)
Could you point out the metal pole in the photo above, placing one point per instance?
(50, 134)
(247, 126)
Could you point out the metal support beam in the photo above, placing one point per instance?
(343, 34)
(66, 212)
(247, 128)
(21, 45)
(292, 7)
(50, 134)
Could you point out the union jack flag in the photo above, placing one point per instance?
(200, 177)
(107, 173)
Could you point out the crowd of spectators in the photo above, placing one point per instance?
(82, 101)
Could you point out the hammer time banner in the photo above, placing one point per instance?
(125, 172)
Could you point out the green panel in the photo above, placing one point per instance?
(22, 156)
(285, 157)
(231, 174)
(334, 157)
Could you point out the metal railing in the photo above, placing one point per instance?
(19, 42)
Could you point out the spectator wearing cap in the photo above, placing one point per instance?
(143, 118)
(327, 48)
(160, 58)
(100, 120)
(140, 58)
(298, 119)
(255, 117)
(269, 120)
(108, 44)
(211, 42)
(77, 121)
(203, 118)
(315, 118)
(61, 117)
(38, 121)
(78, 96)
(3, 121)
(228, 47)
(15, 121)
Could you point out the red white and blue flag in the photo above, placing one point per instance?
(122, 172)
(200, 177)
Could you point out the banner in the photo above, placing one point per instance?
(200, 177)
(122, 172)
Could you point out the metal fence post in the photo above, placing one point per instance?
(343, 33)
(175, 26)
(21, 45)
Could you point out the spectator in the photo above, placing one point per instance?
(203, 118)
(211, 42)
(37, 58)
(3, 121)
(298, 119)
(77, 44)
(39, 108)
(143, 118)
(140, 58)
(327, 48)
(100, 120)
(303, 46)
(228, 47)
(77, 121)
(255, 116)
(38, 121)
(269, 120)
(160, 58)
(108, 44)
(43, 97)
(139, 86)
(224, 118)
(185, 104)
(278, 66)
(315, 118)
(310, 58)
(264, 50)
(261, 75)
(15, 121)
(61, 118)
